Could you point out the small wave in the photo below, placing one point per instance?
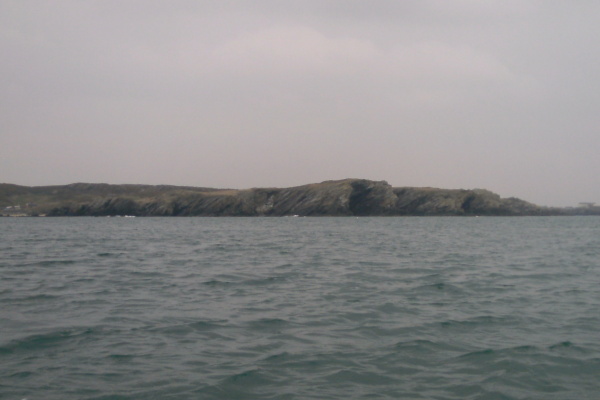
(121, 357)
(251, 377)
(277, 358)
(37, 298)
(110, 396)
(426, 348)
(358, 316)
(440, 287)
(570, 348)
(268, 322)
(560, 345)
(38, 342)
(264, 281)
(285, 266)
(49, 263)
(483, 320)
(419, 343)
(220, 247)
(346, 376)
(216, 282)
(242, 385)
(524, 349)
(148, 274)
(390, 308)
(479, 353)
(196, 327)
(509, 353)
(109, 254)
(206, 325)
(21, 374)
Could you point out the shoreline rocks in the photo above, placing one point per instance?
(347, 197)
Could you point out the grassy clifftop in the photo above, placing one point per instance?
(346, 197)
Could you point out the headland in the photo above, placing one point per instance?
(347, 197)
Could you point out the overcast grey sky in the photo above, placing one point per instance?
(495, 94)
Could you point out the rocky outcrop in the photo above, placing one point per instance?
(348, 197)
(429, 201)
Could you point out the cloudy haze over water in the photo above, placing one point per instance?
(502, 95)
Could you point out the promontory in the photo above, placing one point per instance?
(347, 197)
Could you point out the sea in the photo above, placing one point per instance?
(300, 308)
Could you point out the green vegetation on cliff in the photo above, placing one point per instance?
(348, 197)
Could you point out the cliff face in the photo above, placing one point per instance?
(428, 201)
(349, 197)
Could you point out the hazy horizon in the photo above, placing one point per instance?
(499, 95)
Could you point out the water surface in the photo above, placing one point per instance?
(300, 308)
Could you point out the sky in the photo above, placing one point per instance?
(495, 94)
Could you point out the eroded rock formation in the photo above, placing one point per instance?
(348, 197)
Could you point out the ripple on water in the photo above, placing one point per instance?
(300, 308)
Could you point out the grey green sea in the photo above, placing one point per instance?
(300, 308)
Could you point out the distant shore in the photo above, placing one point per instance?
(347, 197)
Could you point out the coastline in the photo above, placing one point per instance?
(347, 197)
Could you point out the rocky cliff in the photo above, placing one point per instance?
(349, 197)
